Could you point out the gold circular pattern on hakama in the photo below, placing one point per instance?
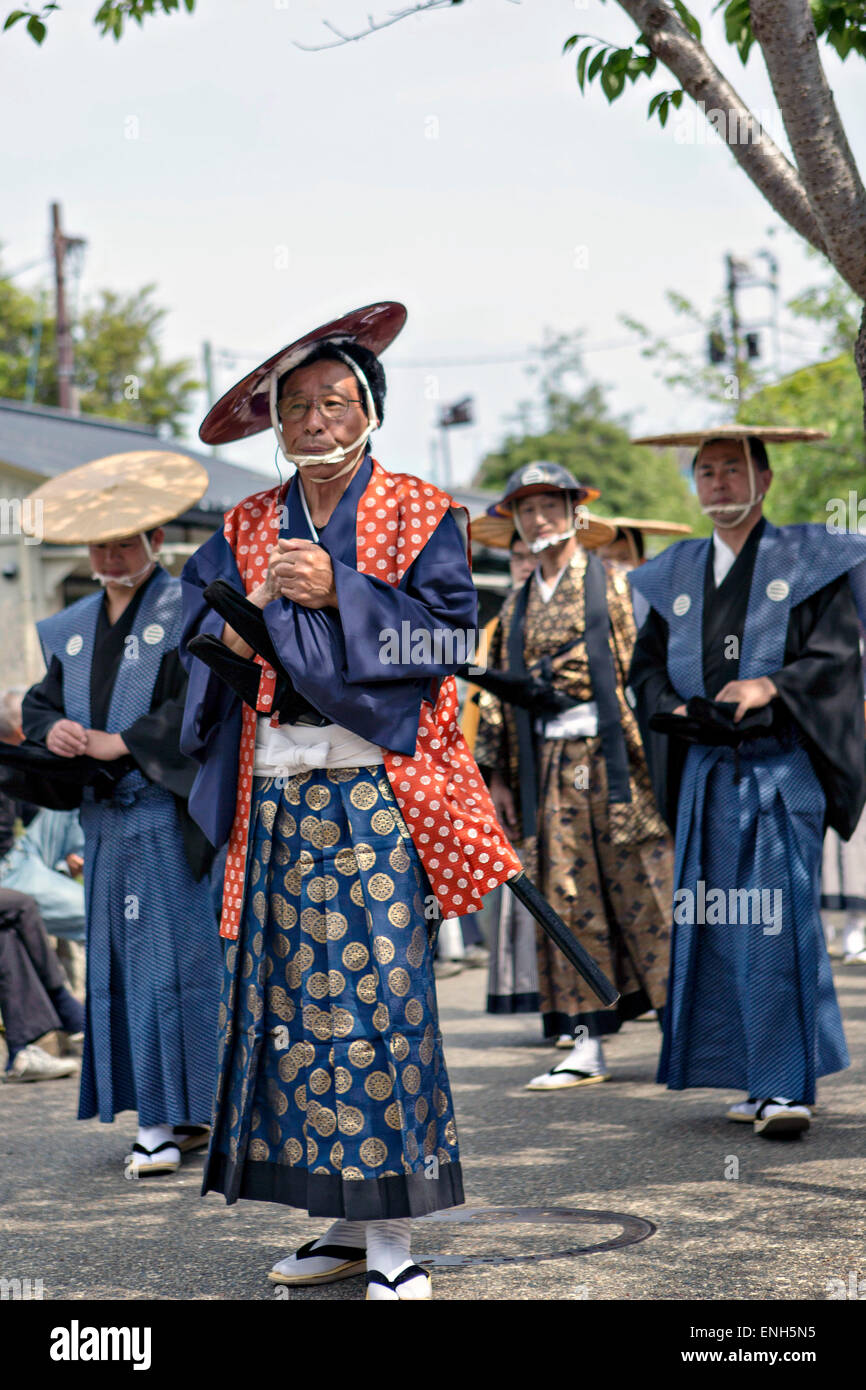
(425, 1050)
(399, 859)
(381, 887)
(336, 925)
(323, 1120)
(293, 1151)
(282, 946)
(323, 834)
(363, 796)
(399, 915)
(286, 823)
(254, 1003)
(414, 1012)
(342, 1080)
(336, 983)
(231, 958)
(365, 857)
(399, 981)
(399, 1047)
(394, 1115)
(288, 1068)
(278, 1100)
(361, 1053)
(284, 914)
(367, 988)
(312, 1150)
(373, 1152)
(378, 1085)
(304, 956)
(256, 1119)
(417, 947)
(352, 1175)
(383, 949)
(381, 1018)
(313, 921)
(411, 1079)
(292, 792)
(340, 774)
(292, 880)
(266, 851)
(317, 797)
(256, 873)
(345, 861)
(440, 1100)
(355, 956)
(260, 906)
(344, 1022)
(268, 814)
(322, 888)
(280, 1004)
(350, 1120)
(412, 1146)
(301, 1097)
(430, 1138)
(450, 1133)
(222, 1015)
(258, 1151)
(421, 1110)
(337, 1155)
(317, 985)
(382, 821)
(356, 893)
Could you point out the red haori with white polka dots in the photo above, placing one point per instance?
(440, 791)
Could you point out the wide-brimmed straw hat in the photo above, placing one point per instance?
(770, 434)
(120, 495)
(245, 407)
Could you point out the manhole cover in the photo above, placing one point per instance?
(632, 1230)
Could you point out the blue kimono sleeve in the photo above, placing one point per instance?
(369, 664)
(211, 727)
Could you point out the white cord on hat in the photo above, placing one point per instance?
(338, 453)
(129, 581)
(536, 547)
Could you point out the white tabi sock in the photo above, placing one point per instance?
(388, 1246)
(352, 1234)
(150, 1137)
(586, 1056)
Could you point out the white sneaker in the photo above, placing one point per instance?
(778, 1116)
(744, 1112)
(32, 1064)
(584, 1066)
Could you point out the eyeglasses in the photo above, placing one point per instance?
(331, 407)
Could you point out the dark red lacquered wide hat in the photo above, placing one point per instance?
(244, 409)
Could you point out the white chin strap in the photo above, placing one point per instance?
(129, 581)
(338, 453)
(536, 547)
(726, 515)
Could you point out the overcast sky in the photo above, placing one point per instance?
(449, 161)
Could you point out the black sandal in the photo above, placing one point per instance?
(354, 1260)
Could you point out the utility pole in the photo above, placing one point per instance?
(61, 246)
(210, 391)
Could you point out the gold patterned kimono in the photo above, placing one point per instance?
(606, 869)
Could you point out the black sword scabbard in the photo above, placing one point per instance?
(551, 922)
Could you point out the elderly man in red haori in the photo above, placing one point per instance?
(332, 764)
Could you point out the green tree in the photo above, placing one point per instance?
(119, 368)
(579, 432)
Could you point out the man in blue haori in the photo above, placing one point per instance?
(749, 662)
(112, 701)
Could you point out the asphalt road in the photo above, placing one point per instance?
(736, 1216)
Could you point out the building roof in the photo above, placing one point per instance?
(44, 441)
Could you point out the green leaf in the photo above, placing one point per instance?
(13, 18)
(571, 43)
(581, 66)
(36, 29)
(596, 64)
(688, 19)
(677, 98)
(612, 82)
(664, 107)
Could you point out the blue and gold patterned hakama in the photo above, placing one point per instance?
(332, 1093)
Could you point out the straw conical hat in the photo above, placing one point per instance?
(650, 527)
(116, 496)
(770, 434)
(496, 531)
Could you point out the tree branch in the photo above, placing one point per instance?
(786, 33)
(372, 26)
(771, 173)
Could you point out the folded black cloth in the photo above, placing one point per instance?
(711, 722)
(30, 772)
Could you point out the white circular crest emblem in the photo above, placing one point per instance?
(153, 633)
(778, 589)
(682, 604)
(74, 645)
